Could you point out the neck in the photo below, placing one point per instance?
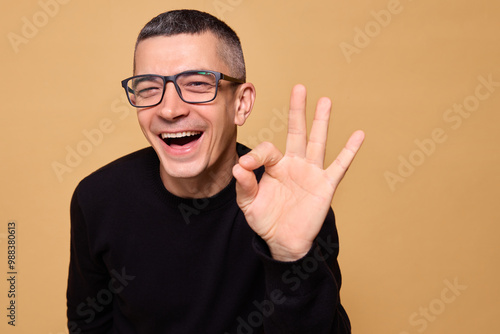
(207, 184)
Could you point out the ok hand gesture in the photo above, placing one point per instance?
(288, 206)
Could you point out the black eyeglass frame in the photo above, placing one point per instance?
(173, 78)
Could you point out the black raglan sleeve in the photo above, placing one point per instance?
(87, 309)
(305, 293)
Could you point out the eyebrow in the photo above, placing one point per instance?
(146, 77)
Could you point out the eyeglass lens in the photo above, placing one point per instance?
(194, 87)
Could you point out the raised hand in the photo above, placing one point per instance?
(288, 206)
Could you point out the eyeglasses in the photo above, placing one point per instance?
(147, 90)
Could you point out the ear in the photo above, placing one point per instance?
(245, 98)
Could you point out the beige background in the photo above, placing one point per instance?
(402, 241)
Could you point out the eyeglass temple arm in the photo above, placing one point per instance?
(228, 78)
(127, 88)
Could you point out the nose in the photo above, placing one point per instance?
(172, 107)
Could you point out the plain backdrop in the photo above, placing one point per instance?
(417, 213)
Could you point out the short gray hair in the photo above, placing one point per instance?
(188, 21)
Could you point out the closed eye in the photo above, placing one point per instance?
(149, 91)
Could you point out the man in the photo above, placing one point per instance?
(196, 234)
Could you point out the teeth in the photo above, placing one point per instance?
(180, 134)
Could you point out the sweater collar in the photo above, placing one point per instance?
(224, 197)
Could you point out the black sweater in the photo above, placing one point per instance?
(145, 261)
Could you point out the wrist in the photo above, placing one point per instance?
(285, 254)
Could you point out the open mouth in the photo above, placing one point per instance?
(179, 139)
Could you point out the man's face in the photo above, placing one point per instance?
(204, 133)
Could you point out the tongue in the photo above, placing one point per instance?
(182, 140)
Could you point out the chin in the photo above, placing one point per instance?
(182, 170)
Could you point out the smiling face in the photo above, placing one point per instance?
(194, 142)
